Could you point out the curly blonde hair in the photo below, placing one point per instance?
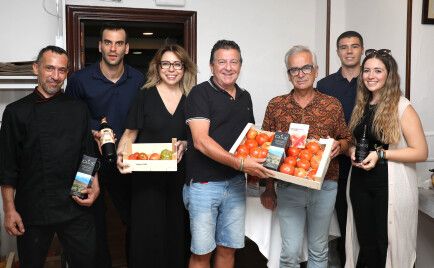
(190, 70)
(386, 125)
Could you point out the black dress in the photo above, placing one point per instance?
(369, 198)
(159, 221)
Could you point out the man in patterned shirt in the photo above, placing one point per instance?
(298, 206)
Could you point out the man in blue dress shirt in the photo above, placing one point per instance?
(343, 85)
(109, 87)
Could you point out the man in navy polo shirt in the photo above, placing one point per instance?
(217, 111)
(343, 85)
(109, 87)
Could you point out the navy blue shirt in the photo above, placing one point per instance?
(105, 98)
(227, 117)
(338, 86)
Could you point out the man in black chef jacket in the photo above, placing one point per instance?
(43, 137)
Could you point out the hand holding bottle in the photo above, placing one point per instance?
(367, 163)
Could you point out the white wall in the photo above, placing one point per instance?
(422, 80)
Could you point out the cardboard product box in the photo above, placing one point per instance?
(148, 149)
(83, 178)
(276, 151)
(314, 183)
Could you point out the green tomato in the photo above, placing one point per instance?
(166, 155)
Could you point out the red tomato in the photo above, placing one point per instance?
(314, 161)
(287, 169)
(154, 156)
(261, 138)
(290, 160)
(319, 153)
(142, 156)
(251, 135)
(243, 149)
(133, 156)
(255, 152)
(313, 147)
(311, 173)
(263, 153)
(305, 154)
(299, 172)
(240, 155)
(303, 163)
(293, 151)
(251, 144)
(271, 137)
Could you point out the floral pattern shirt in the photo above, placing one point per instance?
(324, 115)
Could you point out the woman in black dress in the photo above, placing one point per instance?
(159, 235)
(382, 208)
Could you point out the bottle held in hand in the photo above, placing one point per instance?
(362, 147)
(107, 141)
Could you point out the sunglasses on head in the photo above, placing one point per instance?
(383, 51)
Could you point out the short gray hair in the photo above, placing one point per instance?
(297, 49)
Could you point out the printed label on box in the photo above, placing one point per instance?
(276, 150)
(83, 179)
(298, 134)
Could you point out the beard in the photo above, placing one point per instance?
(51, 90)
(115, 63)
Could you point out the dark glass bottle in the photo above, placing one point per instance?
(108, 146)
(362, 147)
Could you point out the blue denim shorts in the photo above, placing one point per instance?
(217, 212)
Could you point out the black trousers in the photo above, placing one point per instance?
(118, 187)
(160, 230)
(341, 205)
(77, 237)
(369, 198)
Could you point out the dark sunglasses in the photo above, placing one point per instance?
(382, 52)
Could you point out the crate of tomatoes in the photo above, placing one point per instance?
(151, 156)
(303, 163)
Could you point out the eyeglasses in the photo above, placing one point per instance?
(382, 52)
(306, 69)
(222, 62)
(177, 65)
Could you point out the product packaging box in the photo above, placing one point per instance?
(298, 133)
(151, 156)
(83, 179)
(276, 151)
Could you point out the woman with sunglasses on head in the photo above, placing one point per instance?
(382, 187)
(159, 235)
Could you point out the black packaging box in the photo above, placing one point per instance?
(276, 152)
(83, 179)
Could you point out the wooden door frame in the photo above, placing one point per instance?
(75, 15)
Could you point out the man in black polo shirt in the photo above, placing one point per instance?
(343, 85)
(217, 111)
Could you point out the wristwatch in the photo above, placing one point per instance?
(381, 153)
